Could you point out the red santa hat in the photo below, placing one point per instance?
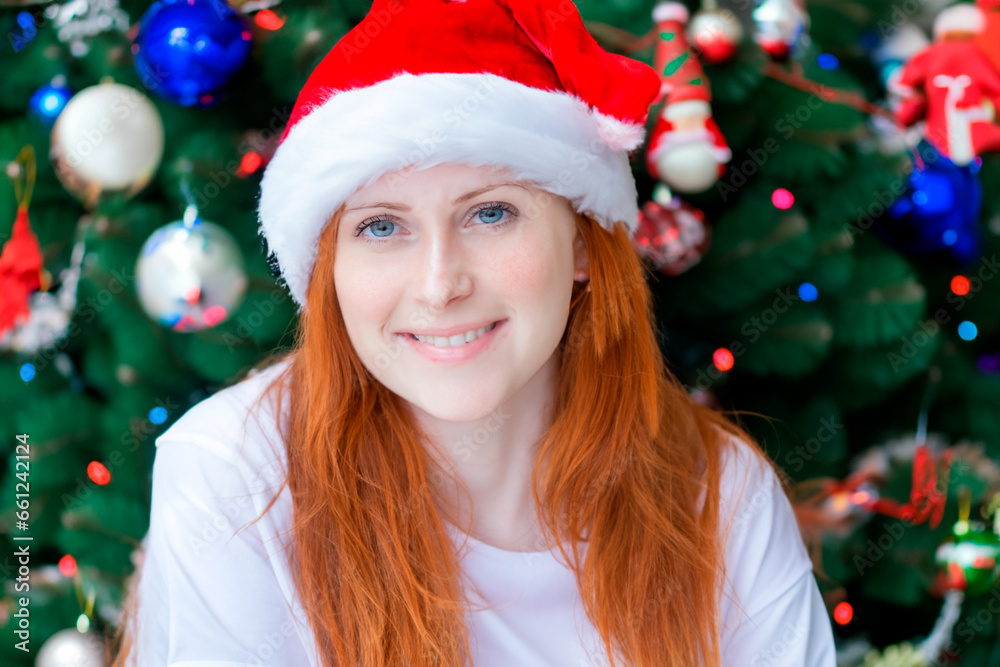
(519, 84)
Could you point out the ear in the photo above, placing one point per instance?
(581, 258)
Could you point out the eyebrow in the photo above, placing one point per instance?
(465, 197)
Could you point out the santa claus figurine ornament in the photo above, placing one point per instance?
(954, 84)
(687, 151)
(479, 82)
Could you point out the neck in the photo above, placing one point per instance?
(493, 458)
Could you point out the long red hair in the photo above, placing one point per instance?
(622, 465)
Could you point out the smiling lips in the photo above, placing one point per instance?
(457, 340)
(448, 332)
(459, 347)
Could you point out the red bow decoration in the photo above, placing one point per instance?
(927, 501)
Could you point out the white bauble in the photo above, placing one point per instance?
(108, 140)
(71, 648)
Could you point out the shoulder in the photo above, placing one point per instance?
(771, 611)
(748, 482)
(225, 449)
(216, 470)
(763, 543)
(214, 563)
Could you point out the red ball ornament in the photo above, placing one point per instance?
(98, 473)
(716, 35)
(782, 199)
(67, 565)
(723, 359)
(843, 613)
(673, 237)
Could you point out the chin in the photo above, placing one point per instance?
(458, 408)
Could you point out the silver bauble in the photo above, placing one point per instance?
(190, 276)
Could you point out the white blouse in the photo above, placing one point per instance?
(211, 598)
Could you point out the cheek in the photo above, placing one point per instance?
(365, 295)
(537, 277)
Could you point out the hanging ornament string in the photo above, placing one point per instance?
(927, 497)
(964, 509)
(25, 165)
(933, 379)
(191, 214)
(628, 43)
(86, 602)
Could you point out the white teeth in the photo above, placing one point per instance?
(457, 339)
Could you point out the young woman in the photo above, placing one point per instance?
(474, 454)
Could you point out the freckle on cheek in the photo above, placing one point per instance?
(526, 271)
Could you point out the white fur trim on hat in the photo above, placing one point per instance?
(550, 137)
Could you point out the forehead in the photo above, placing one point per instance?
(449, 179)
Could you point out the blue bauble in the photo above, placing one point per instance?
(939, 211)
(188, 50)
(48, 101)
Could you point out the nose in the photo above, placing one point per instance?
(442, 276)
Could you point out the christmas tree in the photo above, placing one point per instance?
(817, 217)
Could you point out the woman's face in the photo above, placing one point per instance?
(456, 248)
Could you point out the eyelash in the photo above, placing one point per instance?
(485, 207)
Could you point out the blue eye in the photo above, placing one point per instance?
(494, 211)
(380, 224)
